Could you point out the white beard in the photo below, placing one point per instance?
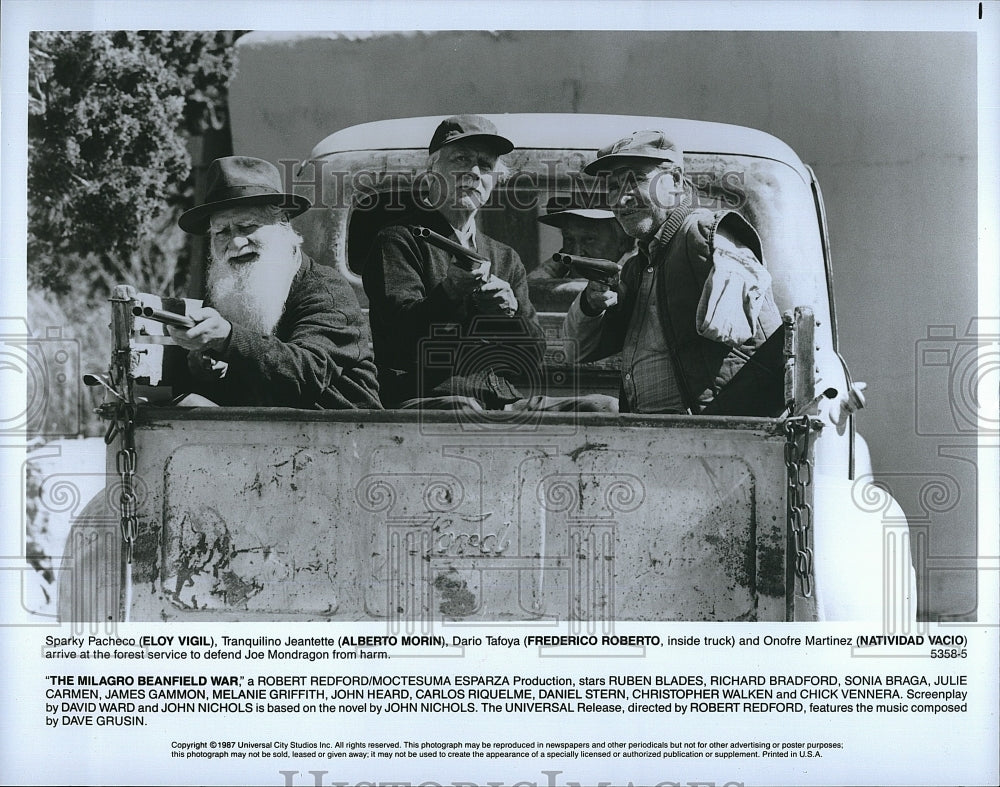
(253, 294)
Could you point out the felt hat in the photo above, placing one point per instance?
(241, 180)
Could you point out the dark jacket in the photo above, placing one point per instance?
(683, 257)
(429, 344)
(319, 356)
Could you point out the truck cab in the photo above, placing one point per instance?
(358, 178)
(421, 518)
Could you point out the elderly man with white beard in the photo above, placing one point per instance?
(277, 329)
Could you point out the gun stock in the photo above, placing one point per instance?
(592, 268)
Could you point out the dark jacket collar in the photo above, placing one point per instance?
(669, 227)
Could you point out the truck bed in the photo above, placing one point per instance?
(419, 519)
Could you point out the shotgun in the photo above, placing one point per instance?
(167, 318)
(466, 258)
(592, 268)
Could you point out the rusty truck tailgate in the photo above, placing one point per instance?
(416, 518)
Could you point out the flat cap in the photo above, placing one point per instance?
(652, 145)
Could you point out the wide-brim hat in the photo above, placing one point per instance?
(469, 128)
(241, 180)
(648, 145)
(561, 206)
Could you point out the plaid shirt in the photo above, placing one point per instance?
(649, 379)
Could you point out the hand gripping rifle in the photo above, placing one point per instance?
(464, 258)
(592, 268)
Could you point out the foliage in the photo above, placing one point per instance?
(110, 115)
(37, 525)
(84, 332)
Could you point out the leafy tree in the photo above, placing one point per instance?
(110, 115)
(110, 119)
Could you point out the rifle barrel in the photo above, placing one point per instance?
(466, 257)
(591, 268)
(165, 317)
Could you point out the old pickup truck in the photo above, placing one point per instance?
(421, 519)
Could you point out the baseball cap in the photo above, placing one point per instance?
(469, 127)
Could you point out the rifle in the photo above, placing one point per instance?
(592, 268)
(166, 318)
